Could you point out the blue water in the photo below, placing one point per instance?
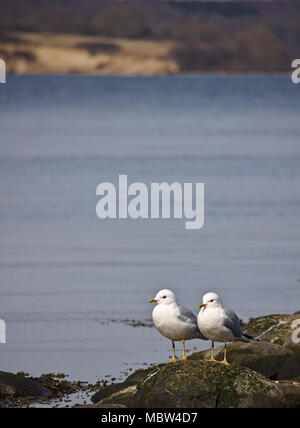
(65, 274)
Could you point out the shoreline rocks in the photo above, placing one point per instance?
(200, 384)
(276, 329)
(261, 375)
(275, 362)
(19, 390)
(17, 386)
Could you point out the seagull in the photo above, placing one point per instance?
(220, 325)
(173, 321)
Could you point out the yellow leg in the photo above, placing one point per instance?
(212, 358)
(225, 362)
(174, 356)
(184, 357)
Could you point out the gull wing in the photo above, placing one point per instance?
(232, 321)
(186, 315)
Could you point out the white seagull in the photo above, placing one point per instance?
(173, 321)
(219, 324)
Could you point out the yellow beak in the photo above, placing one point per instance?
(152, 301)
(201, 306)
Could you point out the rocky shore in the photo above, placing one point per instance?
(261, 375)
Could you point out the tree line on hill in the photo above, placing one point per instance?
(234, 35)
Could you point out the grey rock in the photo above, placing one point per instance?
(16, 386)
(198, 384)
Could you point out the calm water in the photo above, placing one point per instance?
(65, 274)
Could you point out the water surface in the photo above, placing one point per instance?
(68, 280)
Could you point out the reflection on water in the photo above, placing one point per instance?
(65, 273)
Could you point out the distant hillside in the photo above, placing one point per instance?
(202, 36)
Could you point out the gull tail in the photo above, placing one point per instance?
(251, 338)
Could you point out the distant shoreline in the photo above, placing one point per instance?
(65, 54)
(179, 75)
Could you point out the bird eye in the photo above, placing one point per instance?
(211, 301)
(164, 297)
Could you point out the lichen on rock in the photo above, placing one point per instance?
(198, 384)
(276, 329)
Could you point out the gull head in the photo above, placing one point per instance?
(211, 300)
(164, 297)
